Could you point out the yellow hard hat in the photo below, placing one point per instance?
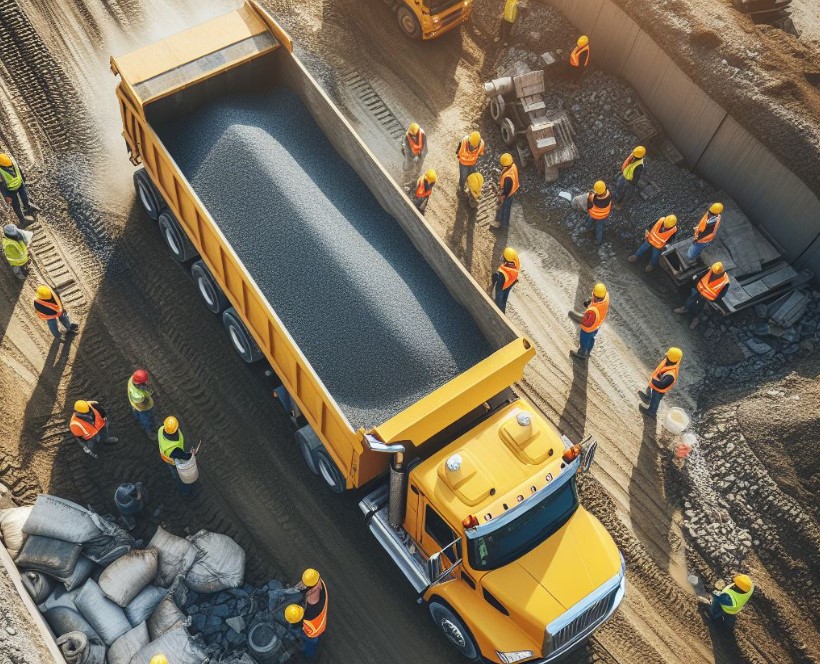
(81, 406)
(431, 176)
(294, 613)
(310, 577)
(743, 583)
(43, 292)
(171, 424)
(670, 221)
(159, 659)
(506, 159)
(510, 255)
(414, 128)
(475, 181)
(639, 152)
(716, 208)
(599, 290)
(475, 139)
(717, 268)
(5, 160)
(583, 40)
(674, 354)
(599, 187)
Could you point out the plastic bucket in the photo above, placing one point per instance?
(188, 471)
(676, 421)
(264, 642)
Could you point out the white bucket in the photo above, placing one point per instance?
(676, 421)
(188, 472)
(690, 439)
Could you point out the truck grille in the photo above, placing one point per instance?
(589, 618)
(451, 18)
(437, 6)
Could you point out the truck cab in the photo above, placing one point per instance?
(511, 566)
(427, 19)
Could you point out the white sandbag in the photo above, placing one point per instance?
(64, 620)
(219, 565)
(107, 619)
(165, 618)
(82, 572)
(177, 646)
(176, 555)
(74, 647)
(11, 527)
(128, 645)
(96, 653)
(125, 578)
(60, 519)
(46, 554)
(37, 585)
(143, 605)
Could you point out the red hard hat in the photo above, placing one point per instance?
(140, 376)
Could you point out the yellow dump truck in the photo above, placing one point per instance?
(426, 19)
(395, 367)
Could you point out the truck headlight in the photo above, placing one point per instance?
(436, 20)
(515, 656)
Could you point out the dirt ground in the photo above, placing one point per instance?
(137, 308)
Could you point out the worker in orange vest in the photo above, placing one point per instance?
(313, 615)
(711, 287)
(469, 149)
(506, 277)
(579, 57)
(656, 237)
(663, 379)
(509, 185)
(414, 150)
(89, 425)
(706, 230)
(599, 207)
(594, 316)
(631, 171)
(424, 187)
(48, 306)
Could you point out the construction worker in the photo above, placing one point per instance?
(15, 248)
(727, 603)
(475, 184)
(656, 238)
(706, 230)
(48, 306)
(172, 449)
(509, 185)
(599, 207)
(662, 380)
(506, 277)
(594, 316)
(13, 188)
(469, 149)
(129, 499)
(631, 171)
(89, 425)
(711, 287)
(140, 396)
(414, 149)
(508, 20)
(579, 57)
(314, 619)
(294, 613)
(424, 187)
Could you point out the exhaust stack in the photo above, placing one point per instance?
(397, 495)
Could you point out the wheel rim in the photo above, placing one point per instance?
(146, 202)
(327, 473)
(452, 632)
(172, 242)
(238, 342)
(408, 24)
(205, 291)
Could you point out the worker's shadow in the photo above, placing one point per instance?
(574, 416)
(11, 291)
(462, 234)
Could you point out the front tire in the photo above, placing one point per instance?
(241, 340)
(209, 290)
(454, 629)
(148, 195)
(175, 239)
(408, 23)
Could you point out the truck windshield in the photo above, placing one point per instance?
(437, 6)
(525, 532)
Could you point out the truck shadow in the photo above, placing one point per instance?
(573, 418)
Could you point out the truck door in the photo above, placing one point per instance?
(436, 533)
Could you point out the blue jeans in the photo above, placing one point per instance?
(52, 324)
(654, 400)
(184, 489)
(656, 253)
(599, 228)
(501, 297)
(622, 191)
(17, 196)
(696, 249)
(463, 172)
(694, 305)
(145, 419)
(716, 612)
(503, 214)
(310, 645)
(587, 341)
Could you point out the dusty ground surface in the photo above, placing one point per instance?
(20, 643)
(137, 308)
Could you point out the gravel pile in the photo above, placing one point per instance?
(376, 323)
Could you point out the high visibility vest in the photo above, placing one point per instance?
(510, 272)
(511, 11)
(738, 599)
(600, 308)
(416, 143)
(423, 188)
(662, 369)
(139, 397)
(166, 446)
(629, 166)
(12, 176)
(510, 172)
(711, 288)
(84, 429)
(316, 626)
(700, 238)
(54, 304)
(658, 235)
(598, 211)
(16, 252)
(466, 155)
(575, 56)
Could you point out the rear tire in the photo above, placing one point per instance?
(498, 109)
(177, 242)
(329, 472)
(306, 440)
(408, 23)
(148, 195)
(241, 340)
(454, 629)
(508, 132)
(212, 295)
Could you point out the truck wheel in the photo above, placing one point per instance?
(454, 629)
(329, 472)
(181, 248)
(498, 109)
(243, 342)
(508, 132)
(408, 23)
(211, 293)
(148, 195)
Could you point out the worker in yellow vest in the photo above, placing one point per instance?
(662, 380)
(656, 238)
(727, 603)
(469, 149)
(508, 20)
(15, 249)
(711, 287)
(414, 150)
(172, 449)
(506, 277)
(597, 308)
(509, 185)
(631, 172)
(579, 57)
(424, 187)
(706, 230)
(599, 207)
(141, 399)
(13, 188)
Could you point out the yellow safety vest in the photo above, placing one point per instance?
(166, 447)
(629, 170)
(12, 179)
(16, 252)
(511, 11)
(738, 599)
(139, 398)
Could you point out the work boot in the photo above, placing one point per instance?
(647, 412)
(633, 258)
(151, 434)
(32, 208)
(579, 354)
(649, 268)
(495, 224)
(111, 440)
(694, 323)
(644, 396)
(575, 316)
(679, 310)
(72, 329)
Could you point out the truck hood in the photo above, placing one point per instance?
(557, 574)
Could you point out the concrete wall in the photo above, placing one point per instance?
(710, 139)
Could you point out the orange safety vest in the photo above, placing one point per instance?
(54, 304)
(421, 190)
(316, 627)
(703, 239)
(466, 155)
(597, 212)
(664, 368)
(601, 309)
(575, 56)
(83, 428)
(658, 236)
(510, 272)
(510, 172)
(416, 144)
(711, 288)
